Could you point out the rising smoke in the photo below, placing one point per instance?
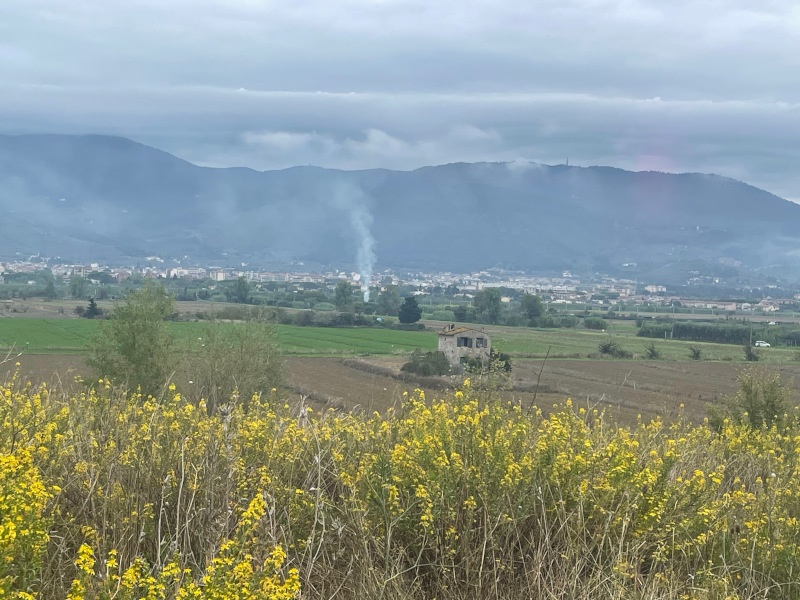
(352, 200)
(362, 221)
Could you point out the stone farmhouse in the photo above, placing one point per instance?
(461, 343)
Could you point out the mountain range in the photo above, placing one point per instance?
(110, 199)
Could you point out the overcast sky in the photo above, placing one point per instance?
(683, 85)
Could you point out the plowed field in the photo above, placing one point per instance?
(628, 388)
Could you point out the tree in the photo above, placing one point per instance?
(343, 295)
(461, 313)
(240, 292)
(409, 312)
(488, 304)
(77, 286)
(241, 357)
(50, 290)
(389, 301)
(532, 307)
(135, 346)
(427, 364)
(93, 310)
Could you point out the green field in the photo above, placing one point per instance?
(321, 340)
(45, 334)
(71, 335)
(580, 343)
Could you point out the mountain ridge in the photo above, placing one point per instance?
(110, 198)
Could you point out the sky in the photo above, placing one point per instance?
(707, 86)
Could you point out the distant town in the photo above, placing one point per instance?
(699, 293)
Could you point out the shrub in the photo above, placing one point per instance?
(761, 399)
(613, 348)
(595, 323)
(652, 352)
(240, 357)
(304, 318)
(550, 320)
(427, 363)
(23, 530)
(459, 497)
(750, 353)
(515, 320)
(695, 352)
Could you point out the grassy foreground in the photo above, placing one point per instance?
(106, 495)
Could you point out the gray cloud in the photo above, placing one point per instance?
(684, 86)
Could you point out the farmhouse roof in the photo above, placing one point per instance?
(453, 330)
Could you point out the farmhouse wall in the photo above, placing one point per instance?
(461, 343)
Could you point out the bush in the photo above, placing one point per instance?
(652, 352)
(555, 321)
(760, 401)
(595, 323)
(515, 320)
(499, 362)
(233, 356)
(455, 498)
(750, 353)
(408, 326)
(427, 364)
(440, 315)
(695, 352)
(613, 348)
(305, 318)
(23, 530)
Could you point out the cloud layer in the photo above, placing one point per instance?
(683, 86)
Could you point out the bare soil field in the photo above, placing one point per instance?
(648, 388)
(37, 308)
(50, 368)
(331, 382)
(625, 388)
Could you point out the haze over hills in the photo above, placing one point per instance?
(111, 199)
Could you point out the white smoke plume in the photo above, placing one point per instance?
(352, 200)
(362, 221)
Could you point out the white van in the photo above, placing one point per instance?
(762, 344)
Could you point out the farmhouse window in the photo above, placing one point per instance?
(464, 342)
(481, 343)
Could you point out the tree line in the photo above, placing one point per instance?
(721, 332)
